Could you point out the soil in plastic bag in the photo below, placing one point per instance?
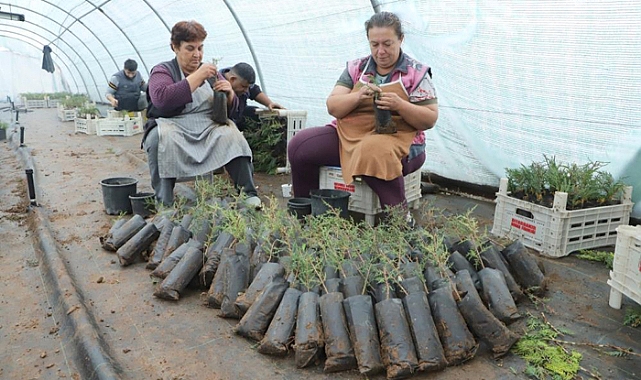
(219, 108)
(179, 236)
(179, 277)
(256, 320)
(236, 279)
(426, 340)
(132, 250)
(332, 285)
(361, 321)
(460, 262)
(212, 257)
(308, 342)
(166, 226)
(338, 347)
(167, 265)
(383, 291)
(481, 321)
(352, 286)
(492, 258)
(525, 268)
(397, 346)
(412, 285)
(497, 295)
(268, 273)
(435, 279)
(117, 224)
(458, 342)
(279, 335)
(121, 235)
(384, 123)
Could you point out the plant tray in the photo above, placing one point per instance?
(556, 232)
(625, 276)
(36, 103)
(112, 127)
(87, 126)
(296, 121)
(65, 114)
(363, 198)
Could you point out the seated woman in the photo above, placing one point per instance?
(186, 142)
(404, 87)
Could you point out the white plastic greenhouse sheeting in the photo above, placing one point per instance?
(515, 79)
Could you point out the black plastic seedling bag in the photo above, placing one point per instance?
(352, 286)
(122, 234)
(497, 295)
(212, 257)
(179, 277)
(278, 337)
(332, 285)
(481, 321)
(167, 265)
(525, 267)
(459, 262)
(434, 279)
(411, 285)
(131, 251)
(179, 235)
(103, 239)
(361, 321)
(166, 226)
(268, 273)
(338, 348)
(308, 342)
(384, 122)
(458, 342)
(383, 291)
(492, 258)
(397, 346)
(256, 320)
(236, 280)
(428, 346)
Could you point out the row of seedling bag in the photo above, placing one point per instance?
(385, 298)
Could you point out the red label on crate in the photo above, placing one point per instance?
(521, 225)
(344, 187)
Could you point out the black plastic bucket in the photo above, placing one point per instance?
(299, 207)
(115, 194)
(143, 204)
(325, 199)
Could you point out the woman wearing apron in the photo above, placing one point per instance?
(186, 142)
(382, 160)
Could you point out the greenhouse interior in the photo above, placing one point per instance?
(494, 233)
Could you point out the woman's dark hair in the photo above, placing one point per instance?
(384, 20)
(188, 31)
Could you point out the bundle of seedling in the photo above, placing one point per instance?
(587, 185)
(74, 101)
(351, 296)
(268, 139)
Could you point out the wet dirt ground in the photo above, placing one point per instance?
(148, 338)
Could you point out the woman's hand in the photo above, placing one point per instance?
(368, 91)
(222, 85)
(389, 101)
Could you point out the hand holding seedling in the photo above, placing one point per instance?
(369, 91)
(389, 101)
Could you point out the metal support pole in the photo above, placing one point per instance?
(32, 187)
(21, 135)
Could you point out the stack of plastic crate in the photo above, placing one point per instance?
(120, 124)
(625, 276)
(363, 199)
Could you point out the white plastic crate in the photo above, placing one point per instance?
(296, 121)
(625, 276)
(115, 127)
(556, 232)
(35, 103)
(363, 198)
(53, 103)
(65, 114)
(87, 125)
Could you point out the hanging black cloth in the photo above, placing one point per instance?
(47, 62)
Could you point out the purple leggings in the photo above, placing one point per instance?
(312, 148)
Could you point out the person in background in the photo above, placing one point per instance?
(242, 78)
(382, 160)
(125, 87)
(181, 139)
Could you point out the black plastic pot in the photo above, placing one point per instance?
(325, 199)
(299, 207)
(143, 204)
(116, 192)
